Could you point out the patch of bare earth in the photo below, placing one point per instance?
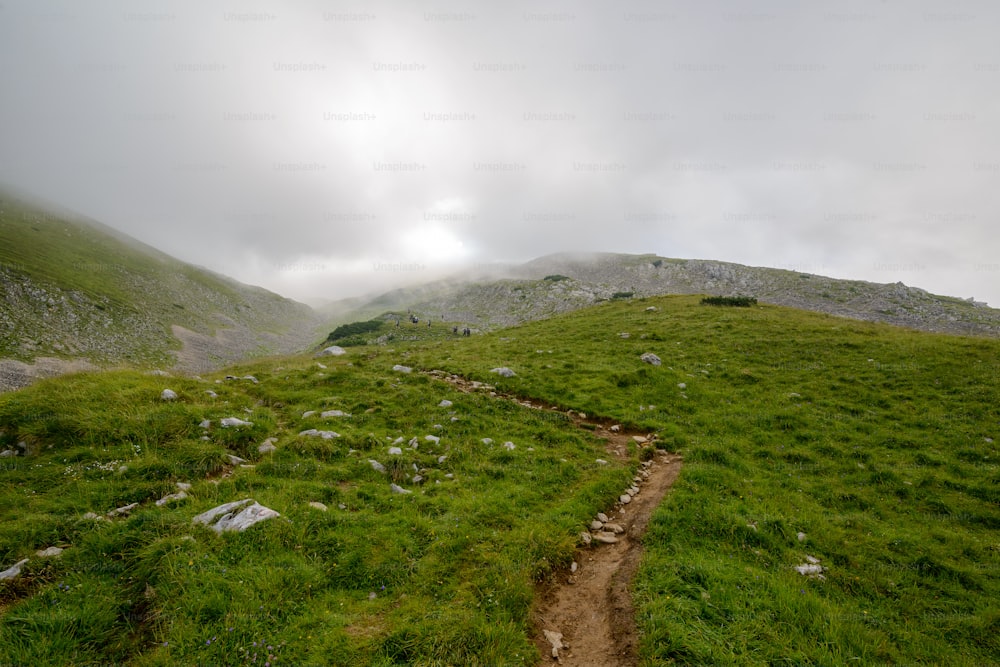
(585, 617)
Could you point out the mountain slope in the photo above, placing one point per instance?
(73, 288)
(560, 283)
(415, 534)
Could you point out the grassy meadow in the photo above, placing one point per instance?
(866, 448)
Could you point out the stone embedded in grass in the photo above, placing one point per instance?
(333, 351)
(205, 423)
(432, 438)
(181, 494)
(318, 505)
(487, 441)
(596, 525)
(445, 403)
(586, 538)
(651, 358)
(235, 460)
(395, 451)
(308, 413)
(602, 517)
(234, 422)
(508, 445)
(402, 369)
(7, 453)
(503, 371)
(315, 433)
(168, 395)
(681, 385)
(13, 571)
(123, 510)
(225, 518)
(267, 446)
(624, 499)
(376, 466)
(601, 461)
(211, 394)
(51, 552)
(801, 536)
(605, 537)
(334, 413)
(91, 516)
(395, 488)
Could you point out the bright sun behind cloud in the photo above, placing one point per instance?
(433, 243)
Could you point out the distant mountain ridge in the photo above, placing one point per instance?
(561, 282)
(74, 289)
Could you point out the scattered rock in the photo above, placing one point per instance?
(445, 403)
(616, 428)
(7, 453)
(605, 537)
(503, 371)
(234, 422)
(168, 395)
(395, 488)
(624, 334)
(395, 451)
(624, 499)
(487, 441)
(554, 638)
(308, 413)
(91, 516)
(13, 571)
(334, 413)
(418, 479)
(681, 385)
(651, 358)
(316, 433)
(602, 517)
(122, 511)
(317, 505)
(211, 394)
(432, 438)
(651, 309)
(586, 538)
(51, 552)
(225, 517)
(801, 536)
(376, 466)
(602, 462)
(267, 446)
(596, 525)
(639, 439)
(402, 369)
(508, 445)
(205, 423)
(235, 460)
(333, 351)
(170, 497)
(157, 372)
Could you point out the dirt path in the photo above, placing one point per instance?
(585, 617)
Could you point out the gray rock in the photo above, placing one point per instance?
(235, 422)
(614, 528)
(235, 460)
(487, 441)
(596, 525)
(171, 497)
(168, 395)
(624, 499)
(395, 451)
(51, 552)
(317, 505)
(509, 445)
(402, 369)
(445, 403)
(376, 466)
(308, 413)
(334, 413)
(602, 517)
(13, 571)
(605, 537)
(7, 453)
(418, 479)
(801, 536)
(333, 351)
(442, 458)
(315, 433)
(226, 518)
(681, 385)
(395, 488)
(432, 438)
(211, 394)
(503, 371)
(267, 446)
(601, 461)
(91, 516)
(205, 423)
(586, 538)
(651, 358)
(122, 511)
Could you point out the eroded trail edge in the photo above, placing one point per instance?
(585, 615)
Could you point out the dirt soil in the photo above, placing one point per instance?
(587, 615)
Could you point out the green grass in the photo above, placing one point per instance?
(875, 442)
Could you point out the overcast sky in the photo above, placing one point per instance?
(326, 149)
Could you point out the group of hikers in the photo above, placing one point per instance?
(466, 331)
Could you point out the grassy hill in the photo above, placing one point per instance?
(867, 448)
(564, 282)
(72, 288)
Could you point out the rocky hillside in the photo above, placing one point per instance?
(559, 283)
(75, 293)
